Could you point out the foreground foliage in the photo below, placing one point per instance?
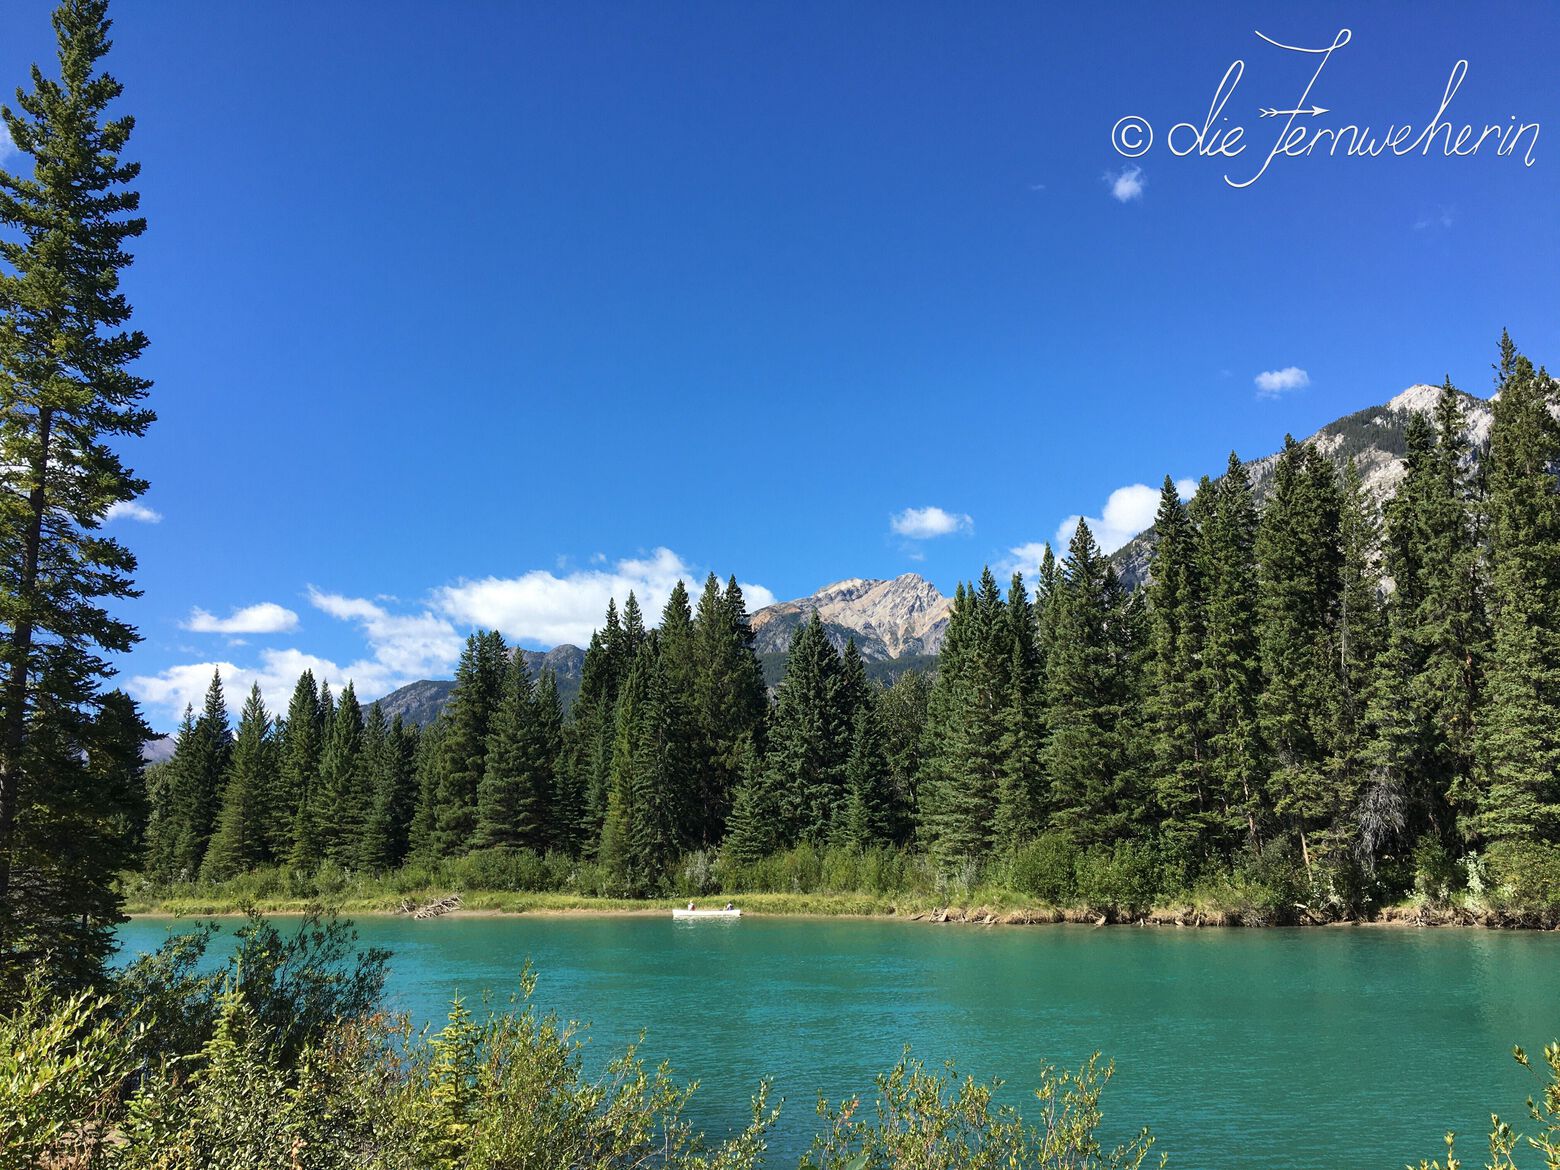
(1505, 1142)
(278, 1058)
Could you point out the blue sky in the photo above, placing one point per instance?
(475, 314)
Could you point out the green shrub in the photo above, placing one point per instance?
(241, 1108)
(519, 870)
(922, 1120)
(295, 987)
(695, 876)
(329, 880)
(410, 878)
(62, 1065)
(1045, 869)
(1524, 879)
(1121, 880)
(1265, 887)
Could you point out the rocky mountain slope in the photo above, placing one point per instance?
(1374, 438)
(420, 702)
(888, 619)
(899, 624)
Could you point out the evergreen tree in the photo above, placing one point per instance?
(686, 752)
(300, 741)
(166, 794)
(751, 834)
(1360, 644)
(512, 801)
(1021, 779)
(1299, 594)
(198, 784)
(867, 818)
(1091, 685)
(592, 726)
(549, 747)
(730, 701)
(390, 756)
(1453, 622)
(639, 835)
(345, 788)
(961, 809)
(239, 843)
(1231, 661)
(420, 837)
(810, 739)
(1519, 735)
(67, 400)
(479, 679)
(902, 712)
(386, 762)
(79, 832)
(1177, 708)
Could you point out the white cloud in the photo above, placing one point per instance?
(277, 674)
(549, 608)
(536, 607)
(1127, 184)
(1441, 217)
(405, 647)
(1022, 558)
(7, 147)
(1128, 511)
(124, 509)
(926, 523)
(1272, 383)
(265, 618)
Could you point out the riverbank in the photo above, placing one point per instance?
(995, 910)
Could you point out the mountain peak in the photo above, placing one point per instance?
(1420, 399)
(1374, 438)
(887, 618)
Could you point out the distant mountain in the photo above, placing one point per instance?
(157, 749)
(421, 702)
(890, 620)
(899, 624)
(1374, 438)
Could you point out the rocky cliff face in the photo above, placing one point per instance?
(888, 619)
(420, 702)
(1374, 438)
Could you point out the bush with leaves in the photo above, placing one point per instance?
(236, 1105)
(508, 1090)
(1505, 1141)
(295, 986)
(63, 1063)
(1045, 867)
(924, 1120)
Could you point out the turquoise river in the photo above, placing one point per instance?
(1338, 1047)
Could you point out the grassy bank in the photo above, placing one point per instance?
(541, 902)
(1045, 882)
(987, 906)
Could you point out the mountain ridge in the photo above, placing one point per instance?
(898, 623)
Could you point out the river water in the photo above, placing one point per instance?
(1347, 1047)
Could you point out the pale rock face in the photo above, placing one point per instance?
(889, 619)
(1372, 437)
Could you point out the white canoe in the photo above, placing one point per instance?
(684, 913)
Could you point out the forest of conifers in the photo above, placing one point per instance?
(1345, 700)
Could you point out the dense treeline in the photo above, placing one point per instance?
(1334, 701)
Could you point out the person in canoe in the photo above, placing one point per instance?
(690, 905)
(729, 906)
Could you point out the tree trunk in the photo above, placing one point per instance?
(13, 734)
